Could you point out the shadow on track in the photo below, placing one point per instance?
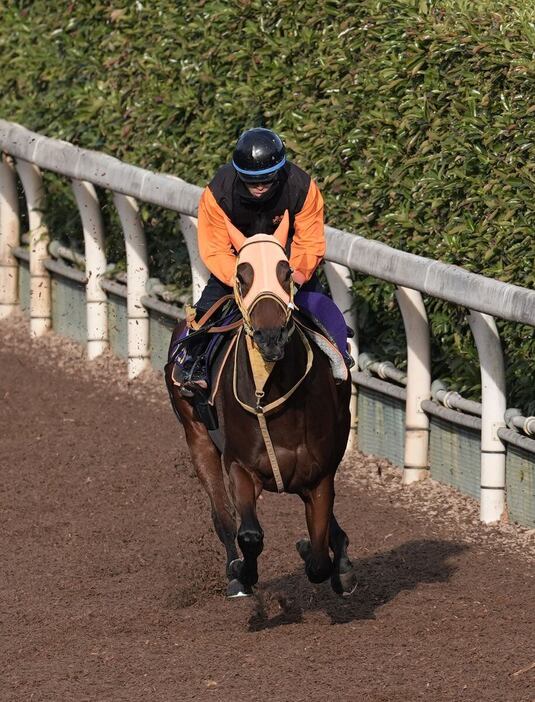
(380, 579)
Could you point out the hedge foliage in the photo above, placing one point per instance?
(416, 117)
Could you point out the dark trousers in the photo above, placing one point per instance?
(213, 291)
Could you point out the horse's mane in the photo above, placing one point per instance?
(262, 224)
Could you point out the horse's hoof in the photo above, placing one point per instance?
(303, 548)
(237, 589)
(234, 569)
(344, 584)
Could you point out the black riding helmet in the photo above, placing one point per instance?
(258, 156)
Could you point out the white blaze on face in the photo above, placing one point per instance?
(263, 252)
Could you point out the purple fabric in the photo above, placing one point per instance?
(327, 313)
(177, 353)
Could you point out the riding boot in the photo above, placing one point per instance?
(192, 376)
(348, 359)
(192, 372)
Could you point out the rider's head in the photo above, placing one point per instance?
(258, 157)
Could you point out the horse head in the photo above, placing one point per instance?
(263, 287)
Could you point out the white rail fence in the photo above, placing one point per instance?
(25, 153)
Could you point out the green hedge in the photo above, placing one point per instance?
(417, 119)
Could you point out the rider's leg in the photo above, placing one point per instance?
(193, 368)
(314, 285)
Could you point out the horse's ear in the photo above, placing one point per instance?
(281, 232)
(236, 237)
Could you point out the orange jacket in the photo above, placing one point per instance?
(307, 247)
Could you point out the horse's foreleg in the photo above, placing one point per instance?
(250, 534)
(207, 463)
(318, 510)
(343, 579)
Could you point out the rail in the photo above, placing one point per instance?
(25, 153)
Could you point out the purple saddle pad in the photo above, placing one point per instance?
(327, 313)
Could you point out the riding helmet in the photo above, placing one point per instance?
(258, 156)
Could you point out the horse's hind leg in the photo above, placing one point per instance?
(318, 510)
(250, 534)
(343, 579)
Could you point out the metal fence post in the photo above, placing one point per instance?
(9, 238)
(95, 267)
(416, 462)
(340, 282)
(493, 405)
(40, 284)
(199, 272)
(137, 274)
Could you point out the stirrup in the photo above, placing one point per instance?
(191, 388)
(189, 383)
(349, 360)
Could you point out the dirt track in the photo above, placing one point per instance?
(112, 579)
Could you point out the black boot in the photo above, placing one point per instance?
(349, 360)
(192, 372)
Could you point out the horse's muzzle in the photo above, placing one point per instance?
(271, 343)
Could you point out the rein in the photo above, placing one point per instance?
(262, 369)
(261, 372)
(210, 328)
(246, 311)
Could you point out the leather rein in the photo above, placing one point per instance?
(261, 370)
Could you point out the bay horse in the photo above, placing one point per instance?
(287, 431)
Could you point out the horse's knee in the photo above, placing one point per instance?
(251, 542)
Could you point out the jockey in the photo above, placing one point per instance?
(253, 191)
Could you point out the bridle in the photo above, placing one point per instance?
(246, 310)
(261, 369)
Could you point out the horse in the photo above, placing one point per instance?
(284, 419)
